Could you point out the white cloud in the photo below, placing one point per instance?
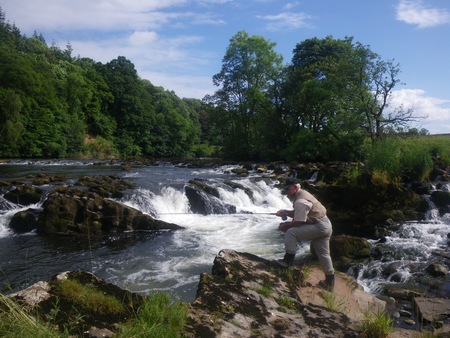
(207, 18)
(414, 12)
(291, 5)
(286, 20)
(90, 15)
(183, 85)
(437, 111)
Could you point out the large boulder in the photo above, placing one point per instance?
(245, 296)
(205, 199)
(69, 211)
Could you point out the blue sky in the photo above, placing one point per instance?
(179, 44)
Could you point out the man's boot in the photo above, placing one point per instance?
(287, 261)
(328, 283)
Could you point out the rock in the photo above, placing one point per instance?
(105, 186)
(95, 332)
(25, 194)
(345, 249)
(392, 268)
(42, 178)
(349, 247)
(431, 310)
(24, 221)
(205, 199)
(440, 198)
(69, 211)
(437, 270)
(33, 295)
(245, 296)
(235, 186)
(241, 172)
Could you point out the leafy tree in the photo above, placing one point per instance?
(250, 68)
(339, 90)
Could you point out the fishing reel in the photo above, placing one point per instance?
(284, 217)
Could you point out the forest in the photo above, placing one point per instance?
(328, 103)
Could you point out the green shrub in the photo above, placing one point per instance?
(396, 159)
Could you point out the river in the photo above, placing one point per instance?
(173, 261)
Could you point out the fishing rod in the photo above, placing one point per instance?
(284, 217)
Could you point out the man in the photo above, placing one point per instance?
(309, 222)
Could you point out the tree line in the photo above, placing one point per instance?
(324, 105)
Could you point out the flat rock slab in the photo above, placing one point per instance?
(432, 309)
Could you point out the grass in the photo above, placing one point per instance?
(265, 290)
(158, 317)
(376, 325)
(287, 302)
(397, 159)
(332, 302)
(89, 298)
(15, 322)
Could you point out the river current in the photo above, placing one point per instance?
(172, 261)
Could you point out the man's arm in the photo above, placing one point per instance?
(287, 225)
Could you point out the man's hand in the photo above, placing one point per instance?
(283, 214)
(284, 226)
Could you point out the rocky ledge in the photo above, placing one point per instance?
(243, 296)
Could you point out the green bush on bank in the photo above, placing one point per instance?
(406, 159)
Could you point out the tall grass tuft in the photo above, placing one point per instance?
(158, 317)
(376, 325)
(15, 322)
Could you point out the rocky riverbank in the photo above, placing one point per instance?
(243, 296)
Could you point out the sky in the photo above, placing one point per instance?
(179, 44)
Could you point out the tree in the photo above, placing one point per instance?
(249, 70)
(378, 82)
(320, 100)
(11, 125)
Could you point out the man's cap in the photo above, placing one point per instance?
(287, 183)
